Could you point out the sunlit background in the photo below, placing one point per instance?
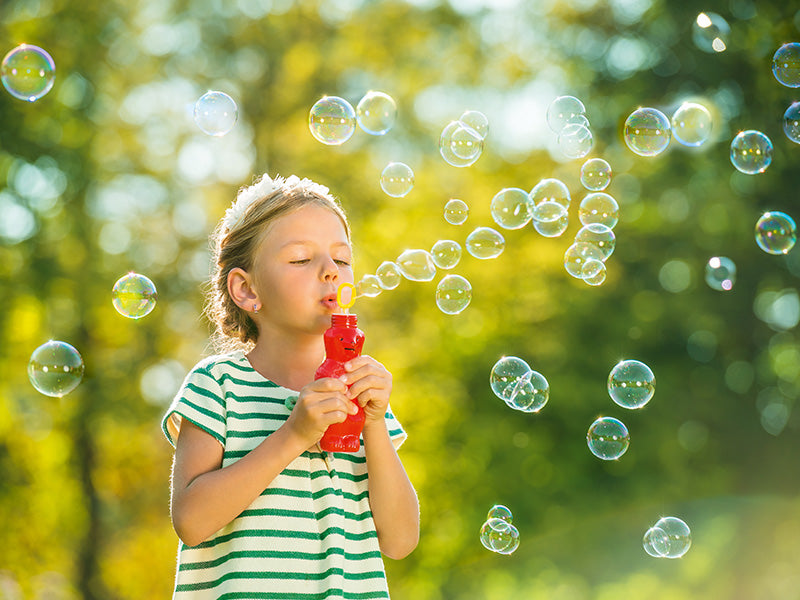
(108, 173)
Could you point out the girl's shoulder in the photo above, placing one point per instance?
(219, 364)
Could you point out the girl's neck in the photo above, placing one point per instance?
(288, 361)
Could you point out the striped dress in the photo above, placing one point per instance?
(310, 534)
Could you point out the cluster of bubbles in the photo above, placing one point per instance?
(215, 113)
(498, 533)
(520, 387)
(670, 537)
(332, 120)
(566, 116)
(28, 72)
(461, 141)
(648, 131)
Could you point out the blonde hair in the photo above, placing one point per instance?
(235, 242)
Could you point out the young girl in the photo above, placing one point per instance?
(260, 510)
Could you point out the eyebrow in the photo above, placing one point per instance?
(312, 243)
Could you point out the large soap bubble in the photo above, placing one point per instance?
(28, 72)
(416, 265)
(786, 65)
(647, 132)
(751, 152)
(608, 438)
(631, 384)
(456, 211)
(498, 535)
(453, 294)
(485, 243)
(376, 113)
(397, 179)
(134, 296)
(563, 111)
(596, 174)
(446, 253)
(511, 208)
(599, 207)
(388, 274)
(575, 140)
(776, 232)
(551, 189)
(215, 113)
(600, 235)
(678, 534)
(332, 120)
(460, 145)
(791, 122)
(691, 124)
(550, 219)
(55, 368)
(577, 255)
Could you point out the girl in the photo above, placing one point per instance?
(260, 510)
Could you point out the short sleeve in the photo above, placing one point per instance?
(201, 401)
(396, 432)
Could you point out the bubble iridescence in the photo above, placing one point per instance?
(134, 296)
(511, 208)
(28, 72)
(596, 174)
(215, 113)
(453, 294)
(786, 65)
(485, 243)
(499, 536)
(446, 254)
(456, 211)
(575, 140)
(691, 124)
(332, 120)
(776, 232)
(376, 113)
(751, 152)
(679, 536)
(647, 132)
(599, 207)
(710, 32)
(577, 255)
(600, 235)
(720, 273)
(500, 511)
(55, 368)
(369, 286)
(791, 122)
(551, 189)
(416, 265)
(562, 111)
(397, 179)
(608, 438)
(550, 219)
(631, 384)
(388, 274)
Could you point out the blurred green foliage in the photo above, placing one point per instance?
(108, 174)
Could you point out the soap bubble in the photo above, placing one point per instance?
(608, 438)
(477, 121)
(710, 32)
(446, 254)
(55, 368)
(397, 179)
(691, 124)
(416, 265)
(720, 273)
(679, 536)
(551, 189)
(577, 255)
(376, 113)
(562, 110)
(388, 274)
(332, 120)
(631, 384)
(215, 113)
(647, 132)
(499, 511)
(656, 542)
(485, 243)
(28, 72)
(456, 211)
(600, 235)
(530, 393)
(499, 536)
(550, 218)
(453, 294)
(786, 65)
(791, 122)
(369, 286)
(596, 174)
(575, 140)
(511, 208)
(776, 232)
(460, 145)
(507, 375)
(751, 152)
(134, 296)
(593, 272)
(599, 207)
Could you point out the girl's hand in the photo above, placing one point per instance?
(320, 403)
(370, 386)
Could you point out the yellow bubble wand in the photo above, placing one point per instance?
(346, 296)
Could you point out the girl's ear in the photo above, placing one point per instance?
(240, 287)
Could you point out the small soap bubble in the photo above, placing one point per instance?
(786, 65)
(369, 286)
(550, 219)
(477, 121)
(776, 232)
(28, 72)
(485, 243)
(507, 375)
(647, 132)
(499, 511)
(376, 113)
(691, 124)
(416, 265)
(530, 394)
(134, 296)
(562, 110)
(596, 174)
(600, 235)
(608, 438)
(460, 145)
(575, 140)
(599, 207)
(511, 208)
(710, 32)
(553, 190)
(577, 255)
(55, 368)
(453, 294)
(388, 274)
(456, 211)
(499, 536)
(397, 179)
(446, 254)
(720, 273)
(631, 384)
(791, 122)
(751, 152)
(679, 536)
(332, 120)
(656, 542)
(215, 113)
(593, 272)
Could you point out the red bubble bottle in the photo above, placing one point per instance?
(343, 342)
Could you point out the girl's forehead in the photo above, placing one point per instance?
(310, 222)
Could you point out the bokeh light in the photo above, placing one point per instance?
(720, 273)
(711, 32)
